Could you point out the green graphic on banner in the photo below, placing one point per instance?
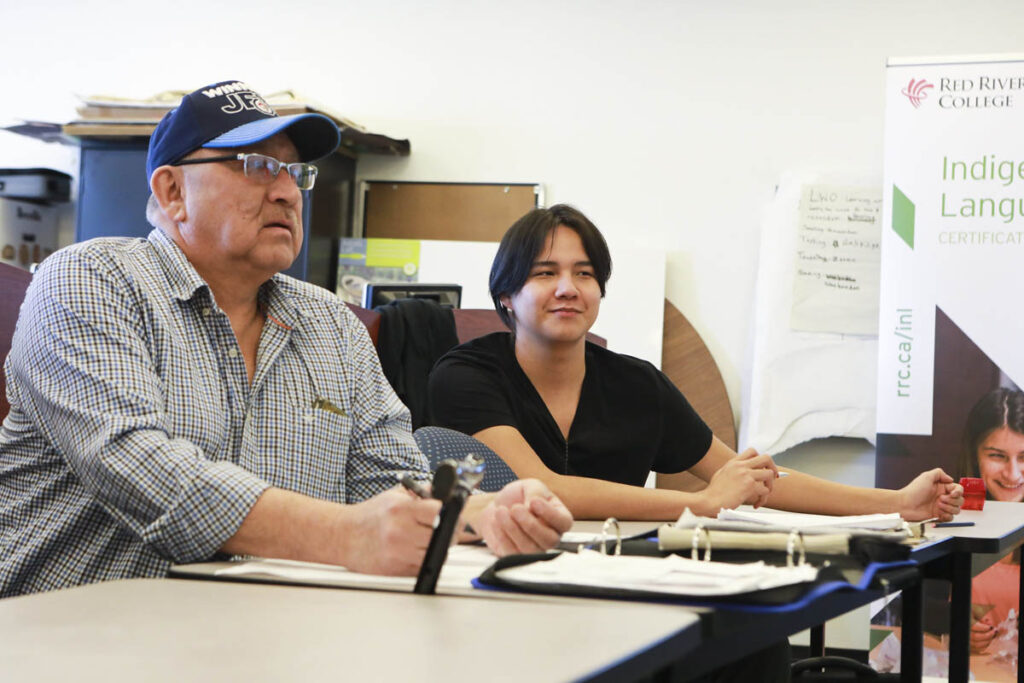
(903, 216)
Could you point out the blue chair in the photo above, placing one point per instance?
(440, 443)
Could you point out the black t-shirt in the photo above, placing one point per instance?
(630, 420)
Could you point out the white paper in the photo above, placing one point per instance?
(799, 520)
(837, 260)
(464, 563)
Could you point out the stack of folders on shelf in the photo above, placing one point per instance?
(111, 115)
(761, 558)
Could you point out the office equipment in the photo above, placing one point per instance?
(592, 573)
(754, 576)
(381, 293)
(35, 184)
(675, 538)
(28, 231)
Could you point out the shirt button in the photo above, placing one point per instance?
(206, 310)
(233, 352)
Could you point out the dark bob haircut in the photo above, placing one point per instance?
(1000, 408)
(523, 242)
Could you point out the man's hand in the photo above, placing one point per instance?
(745, 479)
(932, 494)
(388, 534)
(524, 517)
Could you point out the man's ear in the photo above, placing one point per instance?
(168, 188)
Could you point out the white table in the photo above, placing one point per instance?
(186, 630)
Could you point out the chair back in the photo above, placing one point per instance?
(371, 319)
(13, 283)
(439, 443)
(471, 323)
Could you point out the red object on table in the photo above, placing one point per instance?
(974, 493)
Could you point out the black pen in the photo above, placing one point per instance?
(420, 490)
(943, 525)
(416, 487)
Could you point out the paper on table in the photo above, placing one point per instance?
(671, 575)
(799, 520)
(584, 537)
(464, 564)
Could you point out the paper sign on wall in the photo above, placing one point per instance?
(835, 288)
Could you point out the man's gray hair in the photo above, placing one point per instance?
(154, 214)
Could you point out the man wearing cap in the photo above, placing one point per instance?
(175, 398)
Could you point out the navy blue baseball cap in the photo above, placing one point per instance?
(231, 114)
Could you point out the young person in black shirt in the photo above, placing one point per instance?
(592, 423)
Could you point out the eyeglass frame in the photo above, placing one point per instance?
(244, 156)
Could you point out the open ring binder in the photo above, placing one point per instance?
(698, 532)
(795, 537)
(613, 523)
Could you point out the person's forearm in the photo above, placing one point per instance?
(798, 492)
(589, 498)
(291, 526)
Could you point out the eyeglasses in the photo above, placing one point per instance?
(264, 169)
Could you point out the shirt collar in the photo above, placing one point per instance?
(185, 282)
(182, 278)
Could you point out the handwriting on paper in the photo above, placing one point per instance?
(835, 288)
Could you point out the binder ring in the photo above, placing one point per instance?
(611, 522)
(695, 543)
(795, 536)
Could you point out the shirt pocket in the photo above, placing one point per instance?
(304, 448)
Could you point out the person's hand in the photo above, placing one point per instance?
(389, 533)
(524, 517)
(982, 635)
(932, 494)
(746, 479)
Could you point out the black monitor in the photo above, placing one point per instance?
(380, 293)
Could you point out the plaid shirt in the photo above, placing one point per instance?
(135, 439)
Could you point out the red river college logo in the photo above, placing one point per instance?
(915, 91)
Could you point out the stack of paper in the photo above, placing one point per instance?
(802, 521)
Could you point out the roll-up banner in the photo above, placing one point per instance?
(951, 315)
